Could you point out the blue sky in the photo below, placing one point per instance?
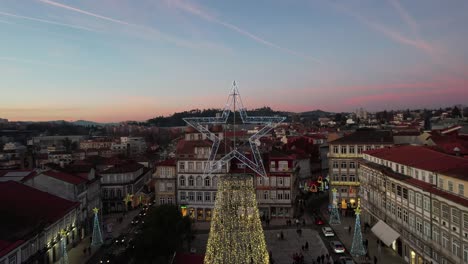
(114, 60)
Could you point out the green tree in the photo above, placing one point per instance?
(163, 233)
(456, 112)
(67, 143)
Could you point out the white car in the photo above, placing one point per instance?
(327, 231)
(337, 247)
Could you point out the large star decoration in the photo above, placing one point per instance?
(234, 100)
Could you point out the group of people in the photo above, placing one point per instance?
(323, 259)
(87, 250)
(298, 258)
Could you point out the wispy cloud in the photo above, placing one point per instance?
(194, 10)
(146, 29)
(388, 32)
(48, 21)
(406, 17)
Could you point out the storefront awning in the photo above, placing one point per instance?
(385, 233)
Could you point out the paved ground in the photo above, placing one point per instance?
(282, 250)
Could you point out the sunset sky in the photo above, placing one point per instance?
(116, 60)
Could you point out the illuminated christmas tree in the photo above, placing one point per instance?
(236, 234)
(334, 216)
(63, 247)
(357, 248)
(97, 236)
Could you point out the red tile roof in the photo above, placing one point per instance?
(168, 162)
(425, 159)
(63, 176)
(27, 210)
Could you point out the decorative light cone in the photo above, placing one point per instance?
(357, 248)
(334, 215)
(97, 235)
(63, 247)
(236, 234)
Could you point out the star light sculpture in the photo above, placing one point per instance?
(201, 125)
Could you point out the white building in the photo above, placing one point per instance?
(417, 199)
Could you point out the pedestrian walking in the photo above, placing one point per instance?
(303, 222)
(84, 251)
(318, 259)
(375, 260)
(282, 235)
(89, 250)
(322, 258)
(307, 245)
(349, 230)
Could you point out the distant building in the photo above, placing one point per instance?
(31, 222)
(50, 141)
(165, 179)
(135, 145)
(120, 180)
(343, 158)
(100, 143)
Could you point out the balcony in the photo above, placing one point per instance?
(345, 183)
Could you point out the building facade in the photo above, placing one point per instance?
(165, 179)
(343, 157)
(419, 194)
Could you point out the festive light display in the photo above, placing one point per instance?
(334, 216)
(236, 234)
(201, 125)
(63, 247)
(97, 235)
(357, 248)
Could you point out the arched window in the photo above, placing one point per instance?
(207, 181)
(190, 181)
(199, 181)
(182, 181)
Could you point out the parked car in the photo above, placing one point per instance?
(136, 220)
(108, 258)
(120, 240)
(327, 231)
(337, 247)
(346, 260)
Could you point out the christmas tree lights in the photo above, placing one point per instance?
(63, 247)
(357, 248)
(236, 234)
(334, 216)
(97, 236)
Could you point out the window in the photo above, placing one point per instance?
(359, 149)
(335, 164)
(441, 183)
(435, 234)
(352, 165)
(352, 178)
(445, 212)
(419, 225)
(283, 165)
(427, 203)
(169, 200)
(436, 208)
(280, 181)
(286, 195)
(450, 186)
(199, 166)
(368, 148)
(207, 196)
(191, 196)
(416, 174)
(427, 229)
(199, 196)
(399, 212)
(399, 191)
(461, 189)
(411, 220)
(279, 196)
(393, 188)
(190, 166)
(190, 180)
(456, 216)
(182, 181)
(199, 181)
(405, 193)
(343, 165)
(411, 196)
(351, 149)
(418, 200)
(343, 177)
(335, 149)
(405, 216)
(465, 253)
(182, 166)
(343, 149)
(465, 221)
(162, 187)
(265, 195)
(431, 179)
(182, 196)
(12, 259)
(162, 200)
(456, 247)
(207, 181)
